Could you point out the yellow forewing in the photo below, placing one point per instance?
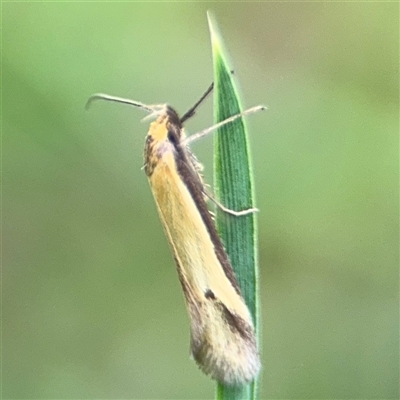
(192, 244)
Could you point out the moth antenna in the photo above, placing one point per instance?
(189, 113)
(151, 108)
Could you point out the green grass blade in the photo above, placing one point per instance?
(234, 188)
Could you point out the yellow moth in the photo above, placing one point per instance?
(223, 341)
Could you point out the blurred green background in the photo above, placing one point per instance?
(92, 306)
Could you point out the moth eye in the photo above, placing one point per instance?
(172, 137)
(209, 294)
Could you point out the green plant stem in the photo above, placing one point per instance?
(234, 189)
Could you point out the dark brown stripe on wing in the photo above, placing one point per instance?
(195, 187)
(236, 323)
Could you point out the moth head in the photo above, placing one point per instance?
(167, 127)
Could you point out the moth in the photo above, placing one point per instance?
(222, 336)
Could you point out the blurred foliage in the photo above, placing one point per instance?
(92, 306)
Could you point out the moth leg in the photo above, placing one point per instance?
(228, 210)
